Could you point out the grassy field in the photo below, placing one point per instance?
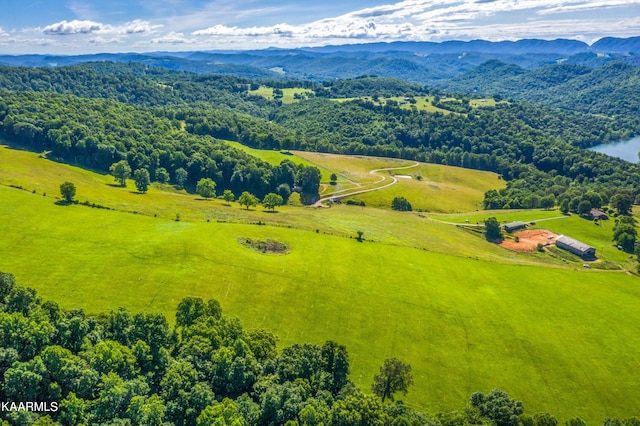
(466, 314)
(442, 189)
(422, 103)
(275, 157)
(287, 94)
(503, 216)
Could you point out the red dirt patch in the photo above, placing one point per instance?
(529, 240)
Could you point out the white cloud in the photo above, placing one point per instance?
(437, 20)
(99, 40)
(589, 5)
(214, 24)
(221, 30)
(172, 38)
(73, 27)
(137, 26)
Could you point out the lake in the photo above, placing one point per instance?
(627, 150)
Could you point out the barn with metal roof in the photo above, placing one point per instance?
(583, 250)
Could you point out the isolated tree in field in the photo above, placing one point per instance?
(121, 171)
(334, 178)
(206, 188)
(492, 229)
(360, 234)
(68, 191)
(564, 206)
(497, 406)
(228, 196)
(271, 201)
(395, 376)
(401, 204)
(142, 179)
(247, 199)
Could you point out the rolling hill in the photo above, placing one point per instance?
(466, 314)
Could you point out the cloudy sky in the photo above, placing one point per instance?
(89, 26)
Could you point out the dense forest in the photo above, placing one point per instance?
(169, 121)
(119, 368)
(97, 133)
(611, 89)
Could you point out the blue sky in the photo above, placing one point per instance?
(90, 26)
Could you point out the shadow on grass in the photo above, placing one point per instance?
(271, 211)
(116, 185)
(64, 203)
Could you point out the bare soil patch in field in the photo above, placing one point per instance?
(266, 247)
(529, 240)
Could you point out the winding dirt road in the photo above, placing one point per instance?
(348, 192)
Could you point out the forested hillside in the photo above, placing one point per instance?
(164, 121)
(97, 133)
(611, 89)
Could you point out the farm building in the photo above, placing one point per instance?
(583, 250)
(514, 226)
(597, 214)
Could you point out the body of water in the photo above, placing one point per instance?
(627, 150)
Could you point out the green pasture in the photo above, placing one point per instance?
(544, 335)
(478, 103)
(34, 173)
(422, 103)
(354, 168)
(597, 234)
(466, 314)
(503, 216)
(287, 94)
(435, 188)
(275, 157)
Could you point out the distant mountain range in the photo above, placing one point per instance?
(422, 62)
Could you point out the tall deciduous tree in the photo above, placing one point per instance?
(271, 201)
(395, 376)
(121, 171)
(228, 196)
(142, 178)
(492, 229)
(206, 188)
(622, 202)
(68, 191)
(247, 199)
(181, 176)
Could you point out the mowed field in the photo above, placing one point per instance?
(467, 315)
